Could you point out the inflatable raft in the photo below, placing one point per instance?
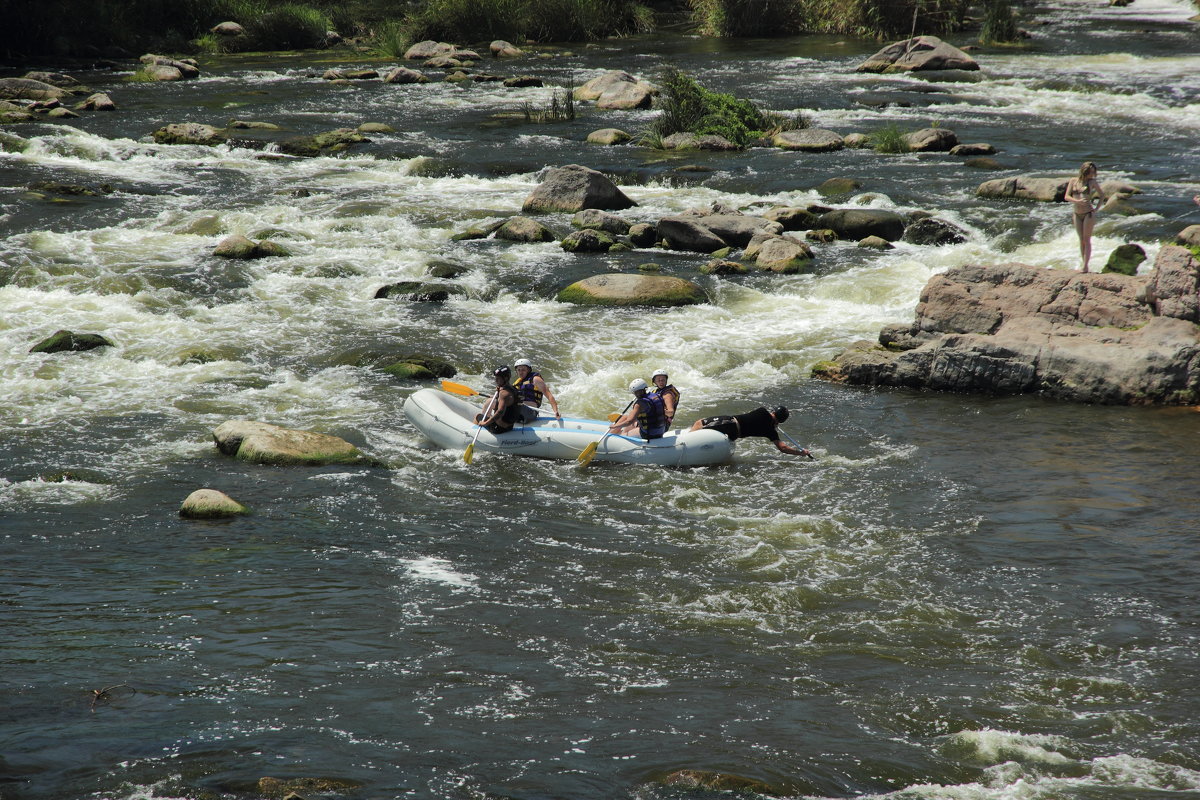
(449, 422)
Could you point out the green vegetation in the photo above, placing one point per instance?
(557, 110)
(868, 18)
(999, 23)
(390, 39)
(291, 26)
(687, 107)
(516, 20)
(889, 139)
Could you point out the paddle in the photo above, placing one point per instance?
(797, 445)
(470, 451)
(458, 388)
(589, 452)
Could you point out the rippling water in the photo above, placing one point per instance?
(960, 598)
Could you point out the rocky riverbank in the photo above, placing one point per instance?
(1016, 329)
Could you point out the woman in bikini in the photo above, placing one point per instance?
(1085, 195)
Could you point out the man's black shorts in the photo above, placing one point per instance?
(726, 425)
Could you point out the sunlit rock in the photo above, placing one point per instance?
(186, 67)
(588, 240)
(859, 223)
(782, 254)
(64, 341)
(29, 89)
(189, 133)
(934, 231)
(608, 136)
(573, 188)
(694, 141)
(977, 149)
(875, 243)
(1125, 259)
(227, 29)
(404, 75)
(918, 54)
(262, 443)
(524, 229)
(97, 102)
(502, 49)
(1189, 236)
(620, 289)
(211, 504)
(931, 140)
(809, 140)
(689, 233)
(428, 49)
(617, 89)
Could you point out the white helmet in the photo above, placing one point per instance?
(523, 362)
(658, 372)
(637, 385)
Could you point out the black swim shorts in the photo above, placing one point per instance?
(726, 425)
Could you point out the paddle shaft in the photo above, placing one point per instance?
(478, 428)
(796, 444)
(609, 432)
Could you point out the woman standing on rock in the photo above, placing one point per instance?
(1085, 194)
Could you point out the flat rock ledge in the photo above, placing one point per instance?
(262, 443)
(621, 289)
(1015, 329)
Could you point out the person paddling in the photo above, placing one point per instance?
(501, 410)
(667, 392)
(531, 388)
(1085, 194)
(646, 413)
(761, 421)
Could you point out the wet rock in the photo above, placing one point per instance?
(350, 74)
(428, 49)
(856, 141)
(792, 218)
(809, 140)
(618, 90)
(476, 232)
(739, 229)
(1024, 187)
(375, 127)
(243, 124)
(823, 235)
(97, 102)
(609, 137)
(280, 788)
(523, 82)
(189, 133)
(443, 62)
(502, 49)
(643, 234)
(262, 443)
(524, 229)
(782, 254)
(983, 163)
(419, 292)
(620, 289)
(71, 189)
(1125, 259)
(692, 141)
(186, 67)
(61, 113)
(1189, 236)
(162, 73)
(419, 367)
(573, 188)
(237, 246)
(211, 504)
(720, 266)
(934, 231)
(28, 89)
(446, 269)
(601, 220)
(228, 29)
(918, 54)
(335, 141)
(1010, 329)
(588, 240)
(64, 341)
(404, 75)
(690, 234)
(875, 243)
(839, 186)
(931, 140)
(10, 143)
(980, 149)
(859, 223)
(60, 79)
(12, 113)
(718, 782)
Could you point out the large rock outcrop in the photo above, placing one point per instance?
(617, 89)
(261, 443)
(918, 54)
(622, 289)
(1015, 329)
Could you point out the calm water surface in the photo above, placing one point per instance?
(960, 598)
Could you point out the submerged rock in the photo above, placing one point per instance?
(619, 289)
(1015, 329)
(718, 782)
(64, 341)
(573, 188)
(262, 443)
(211, 504)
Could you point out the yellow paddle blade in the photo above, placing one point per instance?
(469, 453)
(613, 417)
(458, 388)
(588, 454)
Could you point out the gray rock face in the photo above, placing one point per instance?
(188, 133)
(608, 136)
(692, 141)
(404, 75)
(1023, 187)
(931, 140)
(809, 140)
(781, 254)
(617, 89)
(859, 223)
(920, 53)
(187, 67)
(524, 229)
(429, 49)
(573, 188)
(739, 229)
(1011, 329)
(689, 233)
(601, 221)
(29, 89)
(934, 231)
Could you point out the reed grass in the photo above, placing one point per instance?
(999, 23)
(687, 107)
(878, 19)
(889, 139)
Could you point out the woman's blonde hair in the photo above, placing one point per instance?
(1088, 166)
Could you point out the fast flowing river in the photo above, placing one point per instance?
(962, 597)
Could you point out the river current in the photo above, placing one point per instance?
(961, 598)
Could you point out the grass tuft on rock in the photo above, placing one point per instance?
(889, 139)
(687, 107)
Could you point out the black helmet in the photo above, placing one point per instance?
(781, 413)
(502, 371)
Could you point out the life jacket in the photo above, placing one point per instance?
(669, 389)
(651, 416)
(526, 391)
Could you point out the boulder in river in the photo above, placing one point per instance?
(404, 75)
(189, 133)
(931, 140)
(617, 89)
(428, 49)
(1015, 329)
(698, 141)
(262, 443)
(782, 254)
(1125, 259)
(608, 136)
(620, 289)
(1189, 237)
(809, 140)
(689, 233)
(934, 231)
(64, 341)
(98, 101)
(573, 188)
(792, 218)
(694, 779)
(601, 221)
(588, 240)
(502, 49)
(859, 223)
(237, 246)
(186, 67)
(29, 89)
(524, 229)
(918, 54)
(211, 504)
(229, 28)
(334, 141)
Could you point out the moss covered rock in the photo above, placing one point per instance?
(619, 289)
(588, 240)
(211, 504)
(63, 341)
(1125, 259)
(262, 443)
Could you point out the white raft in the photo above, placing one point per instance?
(449, 422)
